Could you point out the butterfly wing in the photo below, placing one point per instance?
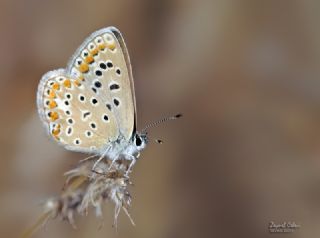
(103, 59)
(123, 46)
(91, 103)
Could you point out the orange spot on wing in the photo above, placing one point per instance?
(55, 131)
(67, 83)
(53, 116)
(56, 86)
(52, 104)
(52, 94)
(89, 59)
(84, 68)
(111, 46)
(77, 83)
(102, 46)
(94, 52)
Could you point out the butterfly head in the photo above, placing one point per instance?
(140, 140)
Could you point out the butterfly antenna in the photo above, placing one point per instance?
(159, 122)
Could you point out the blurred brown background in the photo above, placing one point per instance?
(245, 74)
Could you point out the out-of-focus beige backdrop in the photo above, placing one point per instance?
(245, 74)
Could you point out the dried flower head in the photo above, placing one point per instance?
(86, 188)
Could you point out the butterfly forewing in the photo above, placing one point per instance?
(103, 63)
(91, 103)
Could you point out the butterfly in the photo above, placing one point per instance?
(90, 105)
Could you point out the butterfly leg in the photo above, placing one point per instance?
(116, 214)
(133, 161)
(101, 158)
(97, 162)
(71, 220)
(112, 163)
(128, 214)
(88, 158)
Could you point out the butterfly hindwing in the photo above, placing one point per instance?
(68, 111)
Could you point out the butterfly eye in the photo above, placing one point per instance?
(138, 141)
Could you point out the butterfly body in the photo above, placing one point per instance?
(123, 149)
(90, 106)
